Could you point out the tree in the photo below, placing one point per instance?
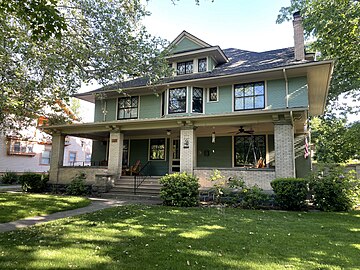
(335, 140)
(103, 40)
(335, 25)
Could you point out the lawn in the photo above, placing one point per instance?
(14, 206)
(144, 237)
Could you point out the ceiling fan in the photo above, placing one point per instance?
(242, 130)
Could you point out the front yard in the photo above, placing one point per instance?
(14, 206)
(144, 237)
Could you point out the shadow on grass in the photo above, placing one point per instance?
(143, 237)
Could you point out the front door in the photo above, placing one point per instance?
(175, 156)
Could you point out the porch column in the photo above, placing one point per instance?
(57, 156)
(284, 149)
(116, 143)
(187, 150)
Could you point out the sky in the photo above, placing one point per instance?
(243, 24)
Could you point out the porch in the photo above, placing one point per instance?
(233, 144)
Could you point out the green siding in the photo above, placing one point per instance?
(298, 92)
(219, 153)
(276, 94)
(139, 151)
(224, 105)
(110, 108)
(185, 45)
(98, 151)
(150, 106)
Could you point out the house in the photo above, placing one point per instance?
(29, 150)
(242, 112)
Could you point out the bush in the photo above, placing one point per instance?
(180, 189)
(290, 193)
(77, 186)
(333, 189)
(253, 197)
(9, 178)
(32, 182)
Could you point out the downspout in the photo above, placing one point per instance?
(286, 88)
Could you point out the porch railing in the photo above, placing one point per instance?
(86, 163)
(142, 175)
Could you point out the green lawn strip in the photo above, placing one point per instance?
(144, 237)
(14, 206)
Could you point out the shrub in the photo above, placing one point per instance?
(290, 193)
(180, 189)
(32, 182)
(253, 197)
(77, 185)
(333, 189)
(9, 178)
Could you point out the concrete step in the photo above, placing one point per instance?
(130, 190)
(153, 199)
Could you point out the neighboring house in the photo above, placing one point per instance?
(244, 113)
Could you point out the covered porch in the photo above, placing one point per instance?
(256, 146)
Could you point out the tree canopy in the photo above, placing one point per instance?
(66, 42)
(335, 25)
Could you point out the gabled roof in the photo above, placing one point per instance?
(190, 37)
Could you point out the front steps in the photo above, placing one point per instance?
(123, 189)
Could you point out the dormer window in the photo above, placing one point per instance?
(185, 67)
(202, 63)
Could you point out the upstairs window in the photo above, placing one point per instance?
(213, 94)
(177, 100)
(72, 158)
(185, 67)
(18, 147)
(202, 63)
(249, 96)
(197, 100)
(128, 108)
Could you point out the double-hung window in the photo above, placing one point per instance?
(197, 100)
(249, 149)
(202, 63)
(177, 100)
(45, 157)
(185, 67)
(249, 96)
(128, 107)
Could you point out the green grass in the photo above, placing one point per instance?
(14, 206)
(144, 237)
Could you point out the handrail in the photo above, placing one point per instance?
(141, 176)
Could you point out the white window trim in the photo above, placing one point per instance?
(168, 102)
(208, 95)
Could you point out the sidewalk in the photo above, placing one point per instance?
(96, 205)
(6, 188)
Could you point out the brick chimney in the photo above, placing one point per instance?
(298, 37)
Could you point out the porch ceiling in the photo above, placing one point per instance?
(100, 130)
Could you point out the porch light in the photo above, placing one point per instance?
(213, 137)
(168, 132)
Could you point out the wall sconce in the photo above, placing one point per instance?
(168, 132)
(213, 137)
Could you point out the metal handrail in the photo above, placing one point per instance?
(141, 176)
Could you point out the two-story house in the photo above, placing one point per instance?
(244, 113)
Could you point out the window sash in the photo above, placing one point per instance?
(128, 108)
(185, 67)
(157, 149)
(197, 100)
(202, 63)
(45, 157)
(249, 96)
(213, 94)
(177, 100)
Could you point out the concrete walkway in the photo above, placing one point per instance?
(96, 205)
(6, 188)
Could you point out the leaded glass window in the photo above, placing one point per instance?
(249, 149)
(213, 94)
(128, 107)
(249, 96)
(197, 100)
(177, 100)
(185, 67)
(202, 65)
(157, 149)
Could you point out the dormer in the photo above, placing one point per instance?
(189, 55)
